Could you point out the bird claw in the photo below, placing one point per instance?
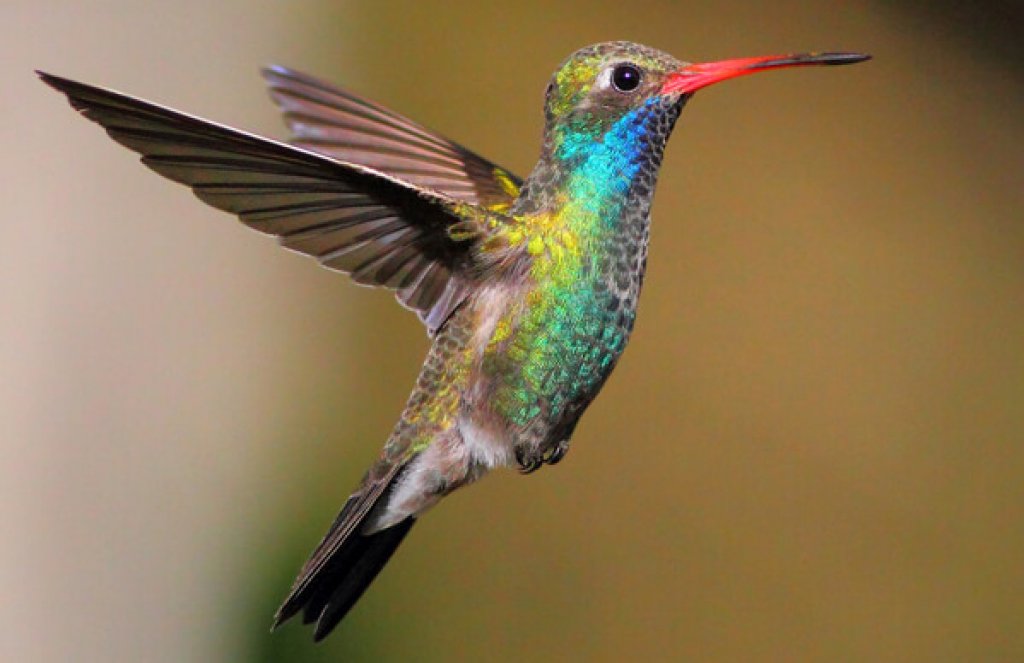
(556, 453)
(530, 460)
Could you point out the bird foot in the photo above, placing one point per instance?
(530, 460)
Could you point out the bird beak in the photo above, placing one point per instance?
(693, 77)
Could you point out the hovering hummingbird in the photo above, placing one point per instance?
(528, 288)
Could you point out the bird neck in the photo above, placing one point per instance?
(596, 175)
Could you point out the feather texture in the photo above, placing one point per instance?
(346, 561)
(352, 218)
(338, 123)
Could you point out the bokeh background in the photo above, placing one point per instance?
(813, 449)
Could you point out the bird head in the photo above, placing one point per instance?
(599, 85)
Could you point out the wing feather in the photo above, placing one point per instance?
(352, 218)
(341, 124)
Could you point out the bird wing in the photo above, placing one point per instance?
(354, 219)
(340, 124)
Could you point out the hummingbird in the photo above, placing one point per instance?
(527, 288)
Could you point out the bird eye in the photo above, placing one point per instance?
(626, 77)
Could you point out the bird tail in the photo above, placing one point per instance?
(345, 562)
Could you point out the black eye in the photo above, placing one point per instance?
(626, 78)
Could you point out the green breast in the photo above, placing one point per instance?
(553, 348)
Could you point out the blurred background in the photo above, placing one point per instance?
(813, 449)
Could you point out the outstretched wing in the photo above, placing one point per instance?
(379, 229)
(340, 124)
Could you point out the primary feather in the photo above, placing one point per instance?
(352, 218)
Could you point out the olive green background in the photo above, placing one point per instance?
(812, 450)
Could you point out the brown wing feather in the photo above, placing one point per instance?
(336, 122)
(379, 229)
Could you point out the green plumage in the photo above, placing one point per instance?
(528, 288)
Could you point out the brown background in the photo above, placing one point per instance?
(811, 451)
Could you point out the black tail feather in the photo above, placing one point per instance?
(331, 601)
(337, 587)
(346, 561)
